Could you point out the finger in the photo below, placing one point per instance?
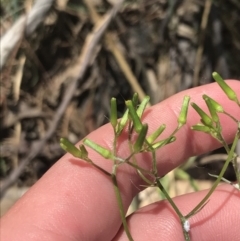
(75, 201)
(217, 221)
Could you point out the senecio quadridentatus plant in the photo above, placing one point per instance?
(131, 121)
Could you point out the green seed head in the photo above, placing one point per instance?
(184, 110)
(99, 149)
(113, 114)
(225, 87)
(135, 118)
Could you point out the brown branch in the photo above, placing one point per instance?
(110, 41)
(85, 59)
(26, 24)
(199, 53)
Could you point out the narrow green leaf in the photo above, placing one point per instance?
(135, 118)
(113, 114)
(156, 134)
(69, 147)
(184, 110)
(141, 138)
(225, 87)
(204, 117)
(142, 106)
(99, 149)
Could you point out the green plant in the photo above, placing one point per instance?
(139, 141)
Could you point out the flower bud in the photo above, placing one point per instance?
(99, 149)
(69, 147)
(225, 87)
(204, 117)
(113, 114)
(141, 138)
(142, 106)
(135, 118)
(156, 134)
(184, 110)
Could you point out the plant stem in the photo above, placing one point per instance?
(174, 206)
(236, 169)
(232, 117)
(230, 156)
(120, 204)
(161, 187)
(117, 191)
(186, 235)
(101, 169)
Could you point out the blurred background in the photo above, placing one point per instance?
(63, 60)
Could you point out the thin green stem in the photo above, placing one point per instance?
(236, 169)
(161, 187)
(234, 159)
(115, 145)
(120, 204)
(154, 160)
(150, 183)
(186, 235)
(232, 117)
(223, 142)
(101, 169)
(235, 163)
(96, 166)
(132, 155)
(230, 156)
(117, 191)
(139, 168)
(176, 209)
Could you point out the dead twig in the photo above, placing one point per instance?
(26, 24)
(86, 58)
(199, 53)
(110, 40)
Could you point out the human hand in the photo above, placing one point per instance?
(75, 201)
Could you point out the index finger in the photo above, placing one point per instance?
(75, 201)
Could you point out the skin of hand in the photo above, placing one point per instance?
(74, 201)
